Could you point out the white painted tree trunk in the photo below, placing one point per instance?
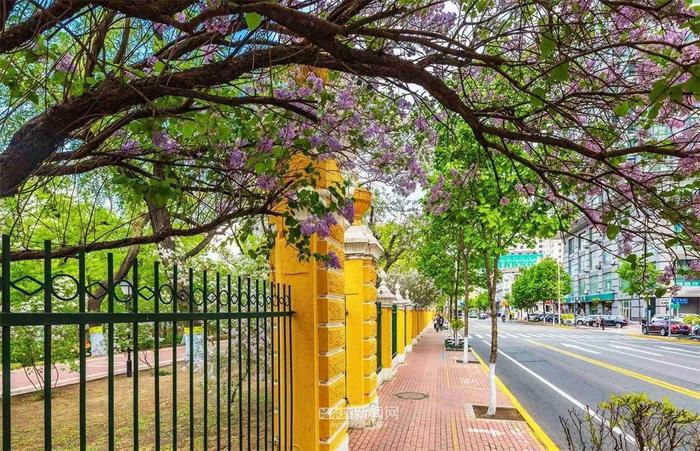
(97, 344)
(492, 390)
(465, 357)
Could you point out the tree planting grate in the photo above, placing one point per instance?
(411, 395)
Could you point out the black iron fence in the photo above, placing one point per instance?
(211, 361)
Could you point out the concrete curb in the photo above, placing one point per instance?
(535, 428)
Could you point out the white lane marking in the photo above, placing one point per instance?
(506, 335)
(580, 348)
(669, 348)
(647, 358)
(478, 336)
(561, 392)
(636, 350)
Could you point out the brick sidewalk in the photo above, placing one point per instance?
(444, 420)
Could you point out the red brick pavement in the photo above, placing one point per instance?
(444, 420)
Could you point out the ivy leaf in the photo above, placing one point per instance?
(252, 20)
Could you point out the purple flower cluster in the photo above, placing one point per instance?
(346, 100)
(348, 210)
(65, 64)
(266, 182)
(321, 225)
(130, 146)
(237, 159)
(219, 24)
(163, 141)
(333, 261)
(265, 145)
(316, 82)
(160, 28)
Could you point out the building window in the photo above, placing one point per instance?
(594, 285)
(581, 287)
(571, 245)
(604, 257)
(607, 282)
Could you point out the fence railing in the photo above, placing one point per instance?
(211, 368)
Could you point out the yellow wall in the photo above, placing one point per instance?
(400, 343)
(318, 338)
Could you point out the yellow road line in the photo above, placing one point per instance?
(455, 438)
(537, 431)
(685, 391)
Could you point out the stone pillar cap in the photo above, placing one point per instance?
(384, 295)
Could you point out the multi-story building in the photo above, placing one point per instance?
(523, 256)
(592, 261)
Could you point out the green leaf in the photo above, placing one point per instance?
(546, 45)
(611, 231)
(536, 98)
(622, 109)
(252, 20)
(659, 292)
(560, 72)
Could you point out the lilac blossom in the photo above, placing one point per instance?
(160, 28)
(346, 100)
(504, 201)
(333, 261)
(348, 210)
(150, 63)
(65, 64)
(421, 124)
(163, 141)
(237, 159)
(130, 146)
(265, 145)
(266, 182)
(321, 225)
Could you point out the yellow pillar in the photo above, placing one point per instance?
(386, 298)
(409, 329)
(400, 303)
(362, 250)
(318, 332)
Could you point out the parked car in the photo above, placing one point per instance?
(615, 321)
(483, 315)
(473, 314)
(580, 320)
(536, 317)
(549, 318)
(591, 320)
(661, 316)
(660, 326)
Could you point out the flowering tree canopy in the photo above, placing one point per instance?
(204, 103)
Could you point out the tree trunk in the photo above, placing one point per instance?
(491, 279)
(465, 255)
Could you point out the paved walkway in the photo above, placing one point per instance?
(445, 419)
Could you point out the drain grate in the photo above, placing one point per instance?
(411, 395)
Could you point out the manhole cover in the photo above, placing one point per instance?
(411, 395)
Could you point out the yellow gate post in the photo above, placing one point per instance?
(318, 331)
(362, 250)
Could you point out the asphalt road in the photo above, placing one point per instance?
(553, 370)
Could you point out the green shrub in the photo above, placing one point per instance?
(693, 320)
(632, 422)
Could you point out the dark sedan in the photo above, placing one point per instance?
(660, 326)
